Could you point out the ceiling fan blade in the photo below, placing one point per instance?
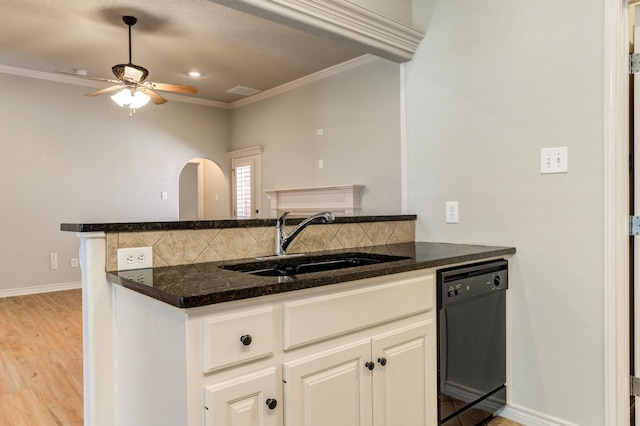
(174, 88)
(86, 77)
(155, 98)
(105, 90)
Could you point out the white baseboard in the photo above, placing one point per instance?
(530, 417)
(40, 289)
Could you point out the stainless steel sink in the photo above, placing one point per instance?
(283, 267)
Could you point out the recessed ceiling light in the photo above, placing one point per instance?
(194, 74)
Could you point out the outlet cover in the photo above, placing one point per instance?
(451, 212)
(135, 258)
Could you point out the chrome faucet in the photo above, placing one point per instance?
(283, 240)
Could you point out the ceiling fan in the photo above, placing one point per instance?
(133, 90)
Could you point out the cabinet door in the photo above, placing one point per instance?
(245, 401)
(404, 384)
(332, 388)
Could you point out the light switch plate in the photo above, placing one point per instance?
(554, 160)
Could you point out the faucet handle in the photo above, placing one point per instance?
(282, 218)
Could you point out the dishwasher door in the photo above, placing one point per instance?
(472, 343)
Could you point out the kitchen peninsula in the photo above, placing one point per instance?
(173, 349)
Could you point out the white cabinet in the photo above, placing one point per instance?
(330, 388)
(249, 400)
(385, 381)
(237, 337)
(404, 391)
(299, 358)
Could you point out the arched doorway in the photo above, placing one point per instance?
(203, 191)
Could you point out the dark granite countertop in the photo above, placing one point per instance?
(209, 224)
(188, 286)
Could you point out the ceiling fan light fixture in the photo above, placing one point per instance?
(139, 100)
(132, 89)
(123, 97)
(126, 98)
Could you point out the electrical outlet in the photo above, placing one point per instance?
(451, 211)
(135, 258)
(74, 262)
(54, 260)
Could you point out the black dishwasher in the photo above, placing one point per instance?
(471, 342)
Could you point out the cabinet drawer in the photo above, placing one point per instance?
(237, 338)
(323, 317)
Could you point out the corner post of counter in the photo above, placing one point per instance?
(97, 331)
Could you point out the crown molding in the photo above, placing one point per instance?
(328, 72)
(339, 20)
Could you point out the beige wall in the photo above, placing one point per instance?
(68, 158)
(492, 83)
(359, 113)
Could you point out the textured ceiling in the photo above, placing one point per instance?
(171, 38)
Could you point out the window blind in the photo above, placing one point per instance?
(243, 192)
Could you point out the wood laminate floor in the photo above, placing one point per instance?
(501, 421)
(41, 359)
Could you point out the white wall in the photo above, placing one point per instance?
(359, 112)
(492, 83)
(69, 158)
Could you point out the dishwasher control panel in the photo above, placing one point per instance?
(461, 283)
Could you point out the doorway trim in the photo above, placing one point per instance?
(253, 155)
(616, 213)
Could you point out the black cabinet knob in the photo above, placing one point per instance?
(370, 365)
(246, 339)
(272, 403)
(382, 361)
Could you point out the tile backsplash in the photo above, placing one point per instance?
(209, 245)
